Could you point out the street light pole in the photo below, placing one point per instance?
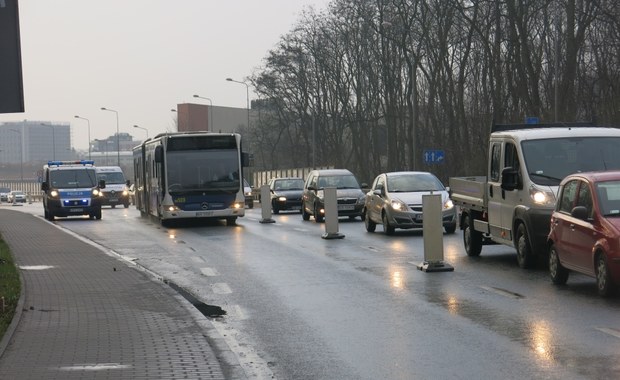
(247, 91)
(21, 153)
(53, 140)
(210, 126)
(144, 129)
(118, 141)
(88, 121)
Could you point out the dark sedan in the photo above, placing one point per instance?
(286, 194)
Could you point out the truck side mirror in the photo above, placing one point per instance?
(510, 179)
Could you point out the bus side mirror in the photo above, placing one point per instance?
(159, 154)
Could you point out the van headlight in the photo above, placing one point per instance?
(96, 192)
(541, 196)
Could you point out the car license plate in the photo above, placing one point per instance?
(113, 199)
(76, 210)
(204, 213)
(296, 208)
(346, 207)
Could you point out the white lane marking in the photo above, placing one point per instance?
(36, 267)
(221, 288)
(209, 272)
(236, 312)
(95, 367)
(609, 331)
(250, 361)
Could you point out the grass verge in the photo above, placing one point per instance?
(10, 287)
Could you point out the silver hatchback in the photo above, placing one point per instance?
(395, 201)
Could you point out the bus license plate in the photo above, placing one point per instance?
(346, 207)
(204, 213)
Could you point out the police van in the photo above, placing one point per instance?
(70, 188)
(116, 190)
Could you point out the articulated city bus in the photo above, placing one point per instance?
(189, 175)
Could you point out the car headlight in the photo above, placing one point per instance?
(542, 197)
(53, 193)
(282, 199)
(448, 204)
(96, 193)
(398, 205)
(125, 193)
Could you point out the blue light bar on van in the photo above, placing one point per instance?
(77, 162)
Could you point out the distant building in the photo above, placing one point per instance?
(201, 117)
(32, 142)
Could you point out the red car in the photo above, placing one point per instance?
(585, 229)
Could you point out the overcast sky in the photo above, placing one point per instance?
(142, 57)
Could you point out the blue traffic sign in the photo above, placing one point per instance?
(434, 156)
(532, 120)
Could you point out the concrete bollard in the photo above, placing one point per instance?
(433, 235)
(330, 195)
(265, 204)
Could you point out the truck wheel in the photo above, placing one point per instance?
(559, 274)
(472, 239)
(524, 251)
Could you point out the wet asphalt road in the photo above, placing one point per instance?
(302, 307)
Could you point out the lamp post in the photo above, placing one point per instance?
(210, 126)
(21, 153)
(118, 141)
(88, 121)
(53, 140)
(144, 129)
(247, 91)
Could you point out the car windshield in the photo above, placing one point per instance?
(288, 184)
(548, 161)
(608, 193)
(73, 178)
(408, 183)
(111, 177)
(339, 182)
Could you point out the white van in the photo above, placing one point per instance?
(116, 190)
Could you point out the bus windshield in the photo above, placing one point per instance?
(548, 161)
(203, 170)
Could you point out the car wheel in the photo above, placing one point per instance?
(276, 210)
(126, 205)
(231, 221)
(450, 228)
(304, 215)
(559, 274)
(370, 225)
(98, 214)
(387, 228)
(524, 252)
(50, 216)
(604, 284)
(317, 215)
(472, 239)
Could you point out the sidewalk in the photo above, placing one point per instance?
(86, 314)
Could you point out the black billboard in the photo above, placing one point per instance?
(11, 84)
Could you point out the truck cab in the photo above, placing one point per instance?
(512, 204)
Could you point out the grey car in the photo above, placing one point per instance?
(395, 201)
(349, 194)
